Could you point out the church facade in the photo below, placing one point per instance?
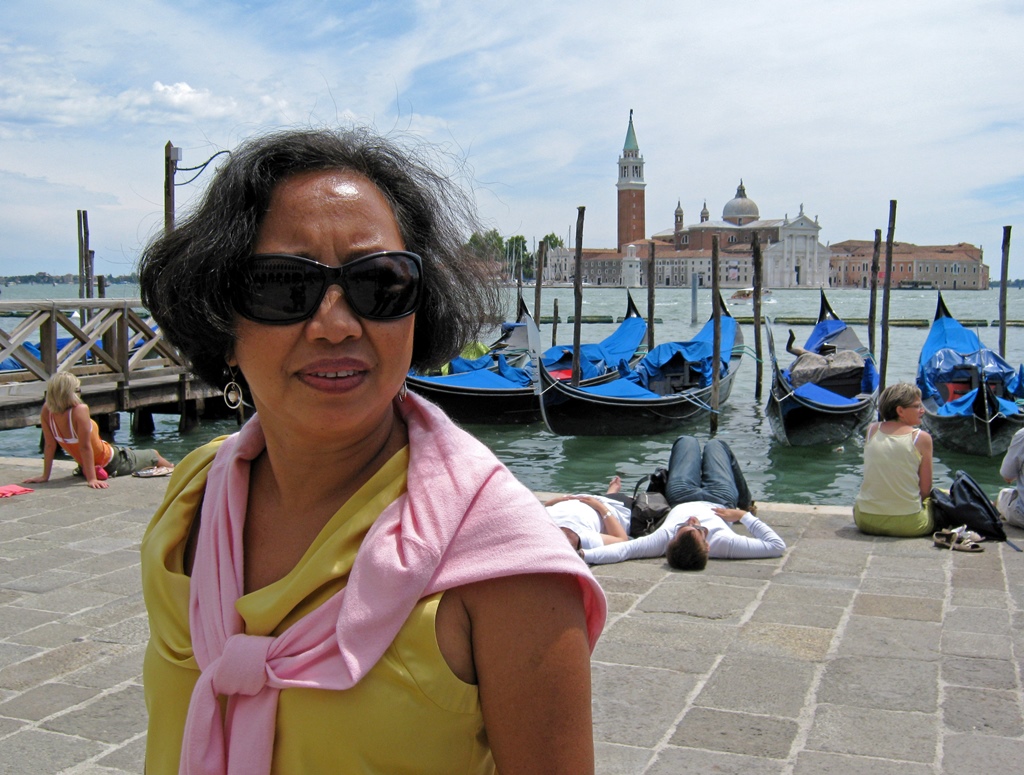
(793, 256)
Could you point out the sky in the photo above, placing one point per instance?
(836, 105)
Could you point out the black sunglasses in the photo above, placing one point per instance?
(278, 288)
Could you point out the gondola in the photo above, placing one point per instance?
(826, 397)
(969, 392)
(498, 388)
(668, 387)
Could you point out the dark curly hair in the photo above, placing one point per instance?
(184, 274)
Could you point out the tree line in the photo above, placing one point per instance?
(514, 255)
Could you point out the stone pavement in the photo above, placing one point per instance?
(850, 654)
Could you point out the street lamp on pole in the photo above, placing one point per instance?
(172, 156)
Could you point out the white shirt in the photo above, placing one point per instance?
(585, 521)
(723, 542)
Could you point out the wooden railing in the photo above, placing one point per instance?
(122, 359)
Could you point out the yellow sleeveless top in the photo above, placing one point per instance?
(409, 714)
(892, 484)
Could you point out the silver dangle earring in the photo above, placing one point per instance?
(403, 391)
(233, 392)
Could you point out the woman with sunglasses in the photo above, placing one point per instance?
(350, 583)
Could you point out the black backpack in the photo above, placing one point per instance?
(649, 508)
(967, 504)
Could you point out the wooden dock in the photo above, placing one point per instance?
(123, 361)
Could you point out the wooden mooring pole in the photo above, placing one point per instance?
(755, 247)
(1002, 291)
(872, 310)
(577, 292)
(885, 293)
(650, 299)
(542, 254)
(716, 339)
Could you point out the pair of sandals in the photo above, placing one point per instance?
(958, 539)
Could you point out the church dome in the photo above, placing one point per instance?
(740, 210)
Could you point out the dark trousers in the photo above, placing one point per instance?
(713, 475)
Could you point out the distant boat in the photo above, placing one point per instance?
(669, 386)
(498, 389)
(969, 392)
(747, 295)
(827, 399)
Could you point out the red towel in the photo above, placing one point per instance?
(9, 490)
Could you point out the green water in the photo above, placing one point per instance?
(775, 472)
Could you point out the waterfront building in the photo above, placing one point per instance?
(793, 255)
(942, 267)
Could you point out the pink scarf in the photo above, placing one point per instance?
(464, 518)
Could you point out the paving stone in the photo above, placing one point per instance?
(56, 578)
(130, 758)
(974, 754)
(815, 580)
(896, 638)
(67, 600)
(773, 687)
(53, 634)
(741, 733)
(816, 763)
(713, 602)
(874, 682)
(980, 673)
(884, 585)
(982, 711)
(978, 578)
(15, 620)
(827, 617)
(977, 620)
(972, 644)
(129, 631)
(673, 761)
(785, 594)
(52, 664)
(126, 665)
(780, 640)
(903, 570)
(45, 700)
(112, 718)
(872, 732)
(671, 633)
(898, 607)
(37, 751)
(612, 759)
(636, 705)
(11, 653)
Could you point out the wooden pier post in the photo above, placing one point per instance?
(874, 293)
(650, 299)
(554, 322)
(542, 254)
(716, 317)
(577, 292)
(693, 298)
(1002, 291)
(755, 246)
(885, 293)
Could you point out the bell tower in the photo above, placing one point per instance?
(630, 185)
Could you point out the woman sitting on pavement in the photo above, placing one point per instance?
(66, 421)
(351, 583)
(893, 498)
(708, 491)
